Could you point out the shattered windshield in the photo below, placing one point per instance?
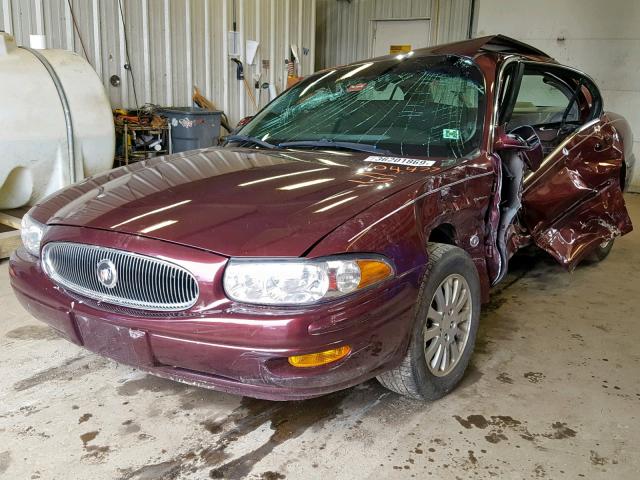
(427, 106)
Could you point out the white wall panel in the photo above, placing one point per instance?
(344, 28)
(172, 44)
(600, 38)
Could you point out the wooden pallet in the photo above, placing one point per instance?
(10, 231)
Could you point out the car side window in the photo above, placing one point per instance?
(542, 100)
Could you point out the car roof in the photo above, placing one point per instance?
(493, 45)
(498, 44)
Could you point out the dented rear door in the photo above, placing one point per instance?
(574, 201)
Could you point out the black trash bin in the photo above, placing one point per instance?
(192, 128)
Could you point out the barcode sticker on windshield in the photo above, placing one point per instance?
(451, 134)
(413, 162)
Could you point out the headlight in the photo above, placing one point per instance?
(31, 233)
(301, 282)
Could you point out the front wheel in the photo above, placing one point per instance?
(445, 327)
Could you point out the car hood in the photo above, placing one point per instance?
(235, 202)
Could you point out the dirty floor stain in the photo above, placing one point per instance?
(33, 332)
(5, 461)
(71, 369)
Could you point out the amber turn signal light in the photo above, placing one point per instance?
(373, 271)
(320, 358)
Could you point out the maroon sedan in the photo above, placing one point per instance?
(351, 230)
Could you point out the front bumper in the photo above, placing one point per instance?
(229, 347)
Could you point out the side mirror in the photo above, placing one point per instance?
(526, 140)
(509, 141)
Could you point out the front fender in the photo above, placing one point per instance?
(389, 227)
(399, 226)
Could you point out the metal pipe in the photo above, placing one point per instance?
(312, 52)
(272, 43)
(472, 14)
(97, 52)
(124, 75)
(257, 58)
(299, 39)
(188, 51)
(72, 24)
(287, 37)
(68, 28)
(146, 52)
(167, 58)
(242, 57)
(39, 17)
(66, 110)
(207, 51)
(225, 59)
(8, 16)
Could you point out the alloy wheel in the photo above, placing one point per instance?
(446, 329)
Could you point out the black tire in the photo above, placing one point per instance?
(600, 252)
(413, 377)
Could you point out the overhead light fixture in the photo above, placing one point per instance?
(285, 175)
(157, 210)
(330, 162)
(158, 226)
(334, 152)
(354, 71)
(335, 204)
(295, 186)
(341, 194)
(314, 82)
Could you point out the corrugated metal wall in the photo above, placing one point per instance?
(344, 28)
(175, 44)
(172, 44)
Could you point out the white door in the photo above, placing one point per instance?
(391, 36)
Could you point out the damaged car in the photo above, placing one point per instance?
(352, 229)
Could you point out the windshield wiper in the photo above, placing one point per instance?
(359, 147)
(248, 139)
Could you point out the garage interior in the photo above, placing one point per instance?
(552, 390)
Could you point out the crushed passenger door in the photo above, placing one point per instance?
(574, 201)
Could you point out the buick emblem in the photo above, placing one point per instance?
(107, 273)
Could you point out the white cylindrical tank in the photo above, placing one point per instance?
(56, 125)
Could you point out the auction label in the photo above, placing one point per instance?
(413, 162)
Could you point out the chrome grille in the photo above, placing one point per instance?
(143, 282)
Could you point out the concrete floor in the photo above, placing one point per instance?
(553, 392)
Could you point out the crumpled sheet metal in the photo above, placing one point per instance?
(573, 237)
